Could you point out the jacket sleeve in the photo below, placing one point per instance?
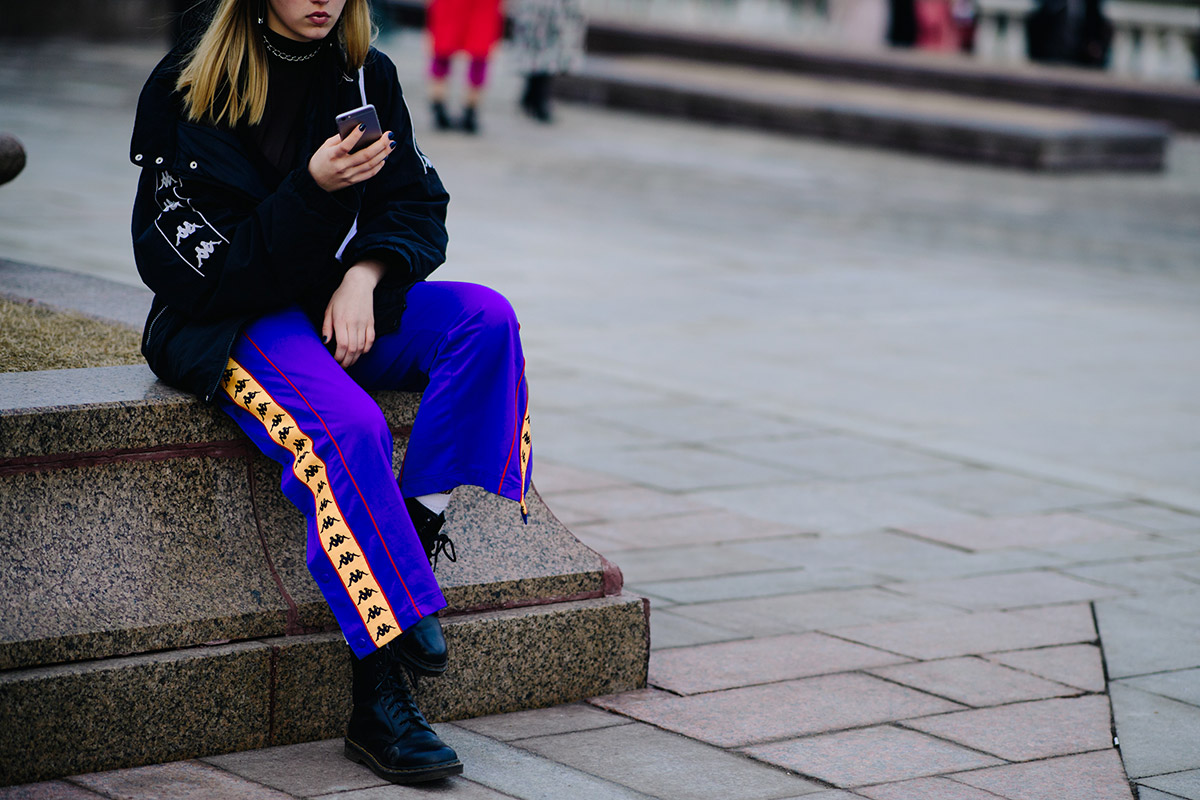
(211, 252)
(403, 217)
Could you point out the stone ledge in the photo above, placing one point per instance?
(912, 121)
(1057, 87)
(140, 521)
(124, 712)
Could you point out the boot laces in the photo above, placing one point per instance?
(441, 544)
(401, 705)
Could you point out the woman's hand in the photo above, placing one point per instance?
(334, 167)
(350, 315)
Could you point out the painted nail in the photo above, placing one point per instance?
(391, 135)
(362, 127)
(390, 146)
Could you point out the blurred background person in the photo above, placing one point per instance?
(471, 27)
(1069, 31)
(547, 39)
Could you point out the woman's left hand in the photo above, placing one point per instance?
(350, 315)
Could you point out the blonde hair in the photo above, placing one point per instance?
(224, 79)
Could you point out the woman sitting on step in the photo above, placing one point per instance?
(288, 266)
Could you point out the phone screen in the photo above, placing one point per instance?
(363, 115)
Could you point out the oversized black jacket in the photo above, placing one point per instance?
(221, 236)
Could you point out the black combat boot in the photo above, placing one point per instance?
(429, 531)
(422, 648)
(387, 732)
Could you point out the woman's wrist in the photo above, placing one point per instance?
(368, 272)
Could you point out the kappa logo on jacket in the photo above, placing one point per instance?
(191, 236)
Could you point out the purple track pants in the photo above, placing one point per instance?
(459, 343)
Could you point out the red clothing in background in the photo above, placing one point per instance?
(470, 26)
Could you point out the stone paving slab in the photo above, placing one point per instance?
(894, 755)
(838, 456)
(1153, 794)
(780, 710)
(713, 667)
(972, 681)
(541, 722)
(1184, 784)
(1138, 642)
(180, 780)
(687, 523)
(975, 634)
(824, 610)
(1152, 576)
(49, 790)
(669, 630)
(667, 765)
(704, 422)
(1077, 665)
(1090, 776)
(682, 562)
(833, 508)
(925, 789)
(1183, 685)
(521, 774)
(1158, 735)
(1028, 731)
(1008, 590)
(995, 493)
(1027, 531)
(757, 584)
(895, 555)
(302, 770)
(1149, 517)
(457, 788)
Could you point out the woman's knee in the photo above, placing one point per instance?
(490, 311)
(361, 423)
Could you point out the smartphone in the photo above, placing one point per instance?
(363, 115)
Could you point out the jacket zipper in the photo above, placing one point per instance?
(150, 327)
(228, 352)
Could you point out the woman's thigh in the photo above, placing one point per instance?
(444, 321)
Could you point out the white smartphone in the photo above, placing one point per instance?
(363, 115)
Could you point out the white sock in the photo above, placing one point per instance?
(436, 503)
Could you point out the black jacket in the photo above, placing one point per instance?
(221, 236)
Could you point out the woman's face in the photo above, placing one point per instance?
(304, 20)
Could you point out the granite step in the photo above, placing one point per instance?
(1055, 86)
(154, 590)
(851, 112)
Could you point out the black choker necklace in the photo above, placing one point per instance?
(275, 51)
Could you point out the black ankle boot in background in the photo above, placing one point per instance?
(441, 120)
(536, 99)
(469, 123)
(387, 732)
(429, 531)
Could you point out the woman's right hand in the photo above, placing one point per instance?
(334, 167)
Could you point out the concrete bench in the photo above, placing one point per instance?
(156, 604)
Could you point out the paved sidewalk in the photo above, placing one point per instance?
(905, 454)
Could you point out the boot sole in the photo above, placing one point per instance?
(419, 775)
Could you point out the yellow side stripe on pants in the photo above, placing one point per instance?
(342, 548)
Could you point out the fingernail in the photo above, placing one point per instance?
(325, 339)
(362, 127)
(391, 135)
(390, 146)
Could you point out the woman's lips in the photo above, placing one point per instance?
(319, 17)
